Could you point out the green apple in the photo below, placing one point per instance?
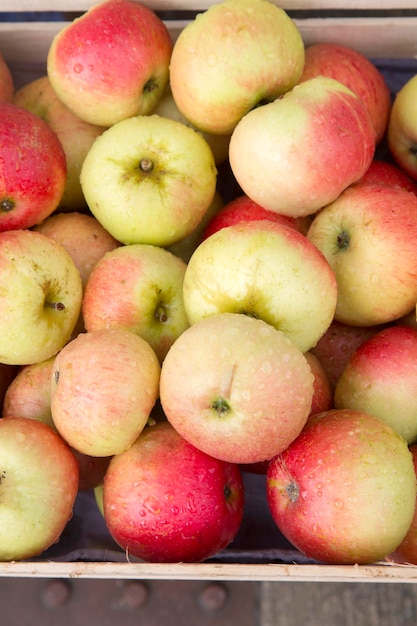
(267, 270)
(236, 388)
(39, 484)
(138, 287)
(298, 153)
(75, 135)
(112, 62)
(149, 179)
(230, 58)
(41, 297)
(368, 236)
(402, 128)
(104, 385)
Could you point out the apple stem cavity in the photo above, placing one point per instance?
(7, 205)
(146, 165)
(57, 306)
(343, 240)
(293, 491)
(150, 86)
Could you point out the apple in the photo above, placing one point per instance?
(6, 81)
(357, 72)
(236, 388)
(219, 144)
(322, 399)
(92, 469)
(368, 236)
(406, 552)
(221, 67)
(41, 297)
(83, 237)
(39, 484)
(138, 287)
(344, 491)
(185, 247)
(298, 153)
(243, 208)
(387, 173)
(33, 168)
(111, 63)
(267, 270)
(166, 501)
(380, 379)
(7, 374)
(402, 128)
(336, 346)
(75, 135)
(149, 179)
(104, 385)
(29, 393)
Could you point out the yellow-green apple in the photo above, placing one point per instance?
(380, 379)
(357, 72)
(219, 144)
(39, 484)
(75, 135)
(104, 385)
(32, 170)
(83, 237)
(338, 343)
(344, 491)
(29, 393)
(236, 388)
(230, 58)
(138, 287)
(298, 153)
(243, 208)
(368, 236)
(6, 81)
(406, 552)
(267, 270)
(185, 247)
(41, 297)
(387, 173)
(322, 399)
(166, 501)
(149, 179)
(112, 62)
(402, 128)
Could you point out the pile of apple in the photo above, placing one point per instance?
(158, 339)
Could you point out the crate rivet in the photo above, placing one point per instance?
(135, 594)
(55, 593)
(213, 597)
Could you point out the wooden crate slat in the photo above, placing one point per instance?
(175, 5)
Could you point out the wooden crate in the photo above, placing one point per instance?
(383, 30)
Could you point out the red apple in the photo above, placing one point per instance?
(386, 173)
(406, 552)
(357, 72)
(39, 484)
(344, 491)
(112, 62)
(322, 391)
(380, 378)
(32, 171)
(166, 501)
(245, 209)
(337, 345)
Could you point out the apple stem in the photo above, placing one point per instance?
(7, 205)
(146, 165)
(57, 306)
(161, 314)
(343, 240)
(221, 406)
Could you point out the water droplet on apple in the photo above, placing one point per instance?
(175, 510)
(78, 68)
(191, 503)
